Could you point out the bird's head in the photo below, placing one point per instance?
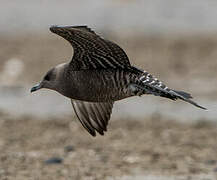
(51, 79)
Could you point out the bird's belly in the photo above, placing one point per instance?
(98, 92)
(98, 87)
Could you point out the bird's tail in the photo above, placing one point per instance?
(151, 85)
(185, 97)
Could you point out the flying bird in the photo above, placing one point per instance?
(99, 74)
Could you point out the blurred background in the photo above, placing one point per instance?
(149, 137)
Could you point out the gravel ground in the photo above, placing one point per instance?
(61, 149)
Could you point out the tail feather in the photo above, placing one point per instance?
(171, 94)
(151, 85)
(184, 94)
(186, 97)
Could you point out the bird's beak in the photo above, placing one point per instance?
(36, 87)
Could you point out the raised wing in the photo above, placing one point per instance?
(90, 50)
(93, 116)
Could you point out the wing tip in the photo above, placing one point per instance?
(54, 28)
(93, 133)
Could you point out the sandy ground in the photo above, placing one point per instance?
(153, 146)
(130, 147)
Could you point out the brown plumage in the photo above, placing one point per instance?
(99, 74)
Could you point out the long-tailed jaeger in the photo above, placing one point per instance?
(99, 74)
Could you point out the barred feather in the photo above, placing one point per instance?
(152, 85)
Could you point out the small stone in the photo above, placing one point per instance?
(131, 159)
(210, 162)
(54, 160)
(69, 148)
(215, 169)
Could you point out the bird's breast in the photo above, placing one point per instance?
(98, 86)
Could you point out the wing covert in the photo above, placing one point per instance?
(90, 50)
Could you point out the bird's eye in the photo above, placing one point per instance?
(47, 78)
